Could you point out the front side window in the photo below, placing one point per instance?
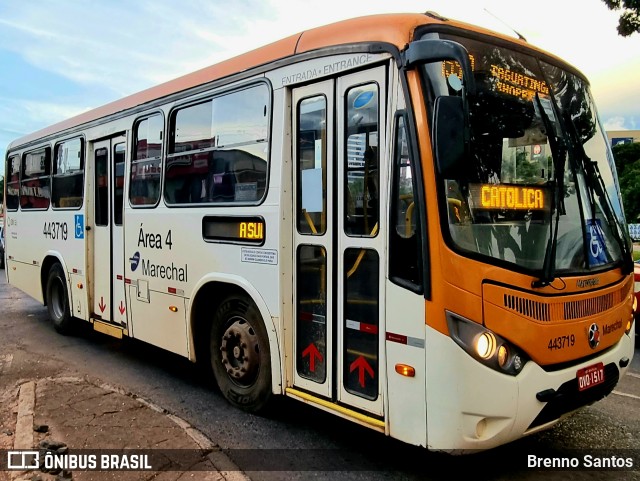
(218, 150)
(405, 249)
(537, 177)
(35, 179)
(68, 174)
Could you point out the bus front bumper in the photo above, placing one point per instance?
(472, 407)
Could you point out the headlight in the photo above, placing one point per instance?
(485, 346)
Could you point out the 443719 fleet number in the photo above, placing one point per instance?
(56, 230)
(561, 342)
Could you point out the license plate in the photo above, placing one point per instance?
(590, 376)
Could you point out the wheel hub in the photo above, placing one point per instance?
(240, 351)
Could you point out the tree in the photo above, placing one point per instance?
(630, 18)
(627, 158)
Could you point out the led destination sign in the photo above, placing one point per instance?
(506, 196)
(509, 82)
(249, 230)
(518, 80)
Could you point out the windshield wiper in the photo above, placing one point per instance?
(559, 151)
(596, 187)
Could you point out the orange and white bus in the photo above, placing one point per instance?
(407, 221)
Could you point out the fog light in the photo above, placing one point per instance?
(503, 355)
(485, 345)
(481, 428)
(517, 363)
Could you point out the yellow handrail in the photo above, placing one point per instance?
(309, 221)
(356, 264)
(407, 219)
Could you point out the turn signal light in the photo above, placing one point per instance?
(503, 355)
(405, 370)
(173, 308)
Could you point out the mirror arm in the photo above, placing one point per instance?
(433, 50)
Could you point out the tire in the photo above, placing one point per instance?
(240, 354)
(58, 300)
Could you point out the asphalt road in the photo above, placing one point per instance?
(295, 441)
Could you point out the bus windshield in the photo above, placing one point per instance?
(537, 188)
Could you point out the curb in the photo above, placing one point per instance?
(23, 439)
(23, 436)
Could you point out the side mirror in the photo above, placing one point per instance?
(450, 133)
(449, 140)
(437, 50)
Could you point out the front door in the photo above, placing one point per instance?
(108, 259)
(339, 139)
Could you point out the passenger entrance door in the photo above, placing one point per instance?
(108, 256)
(339, 239)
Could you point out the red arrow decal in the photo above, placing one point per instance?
(121, 308)
(361, 364)
(312, 352)
(102, 305)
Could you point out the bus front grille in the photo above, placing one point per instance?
(557, 310)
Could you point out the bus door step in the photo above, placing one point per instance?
(108, 328)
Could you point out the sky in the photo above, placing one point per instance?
(59, 58)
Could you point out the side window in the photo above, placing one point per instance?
(118, 182)
(405, 260)
(13, 183)
(144, 185)
(312, 169)
(68, 174)
(218, 150)
(35, 179)
(362, 202)
(102, 187)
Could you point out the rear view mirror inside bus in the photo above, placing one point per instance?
(448, 135)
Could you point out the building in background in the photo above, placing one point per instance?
(623, 136)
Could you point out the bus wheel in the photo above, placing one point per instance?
(58, 300)
(240, 354)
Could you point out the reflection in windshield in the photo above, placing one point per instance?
(526, 176)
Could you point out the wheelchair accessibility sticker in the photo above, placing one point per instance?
(79, 226)
(597, 248)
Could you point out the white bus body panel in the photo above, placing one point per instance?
(30, 239)
(407, 416)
